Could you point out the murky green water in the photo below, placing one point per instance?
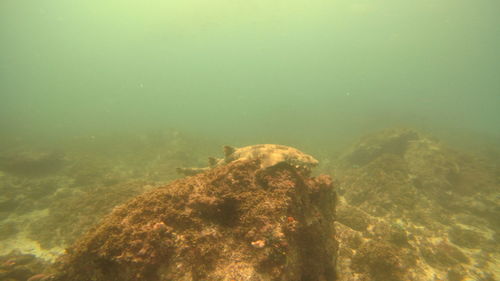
(271, 70)
(102, 100)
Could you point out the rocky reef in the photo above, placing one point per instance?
(412, 208)
(404, 206)
(235, 222)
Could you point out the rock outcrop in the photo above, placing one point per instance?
(412, 208)
(234, 222)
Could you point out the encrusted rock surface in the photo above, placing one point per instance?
(17, 266)
(235, 222)
(411, 208)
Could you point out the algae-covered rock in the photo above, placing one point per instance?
(234, 222)
(17, 266)
(406, 194)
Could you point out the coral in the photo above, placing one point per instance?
(235, 222)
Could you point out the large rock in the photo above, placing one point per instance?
(235, 222)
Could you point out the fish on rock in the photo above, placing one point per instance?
(268, 154)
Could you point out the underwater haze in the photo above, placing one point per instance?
(361, 140)
(260, 70)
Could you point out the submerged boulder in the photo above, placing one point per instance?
(234, 222)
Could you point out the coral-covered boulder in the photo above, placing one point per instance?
(234, 222)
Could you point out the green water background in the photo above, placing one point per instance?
(254, 71)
